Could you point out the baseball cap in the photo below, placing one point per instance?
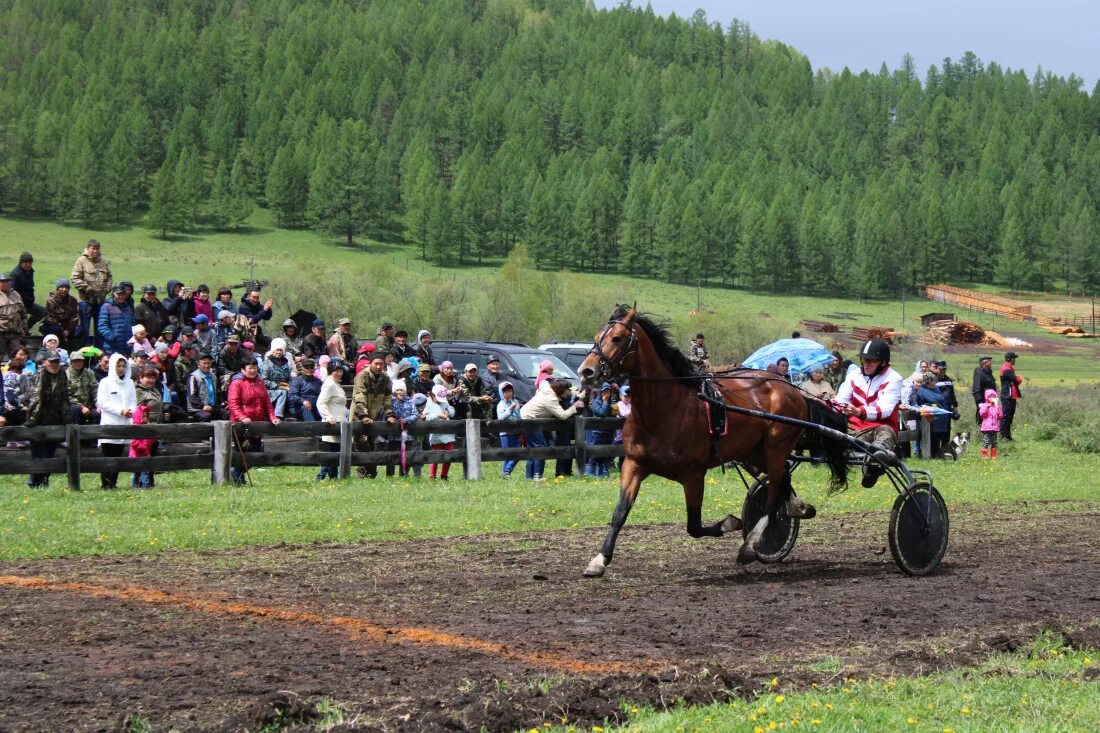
(26, 257)
(149, 288)
(984, 358)
(344, 322)
(233, 339)
(492, 358)
(425, 368)
(318, 323)
(62, 283)
(470, 366)
(248, 345)
(187, 331)
(52, 355)
(5, 275)
(200, 318)
(77, 356)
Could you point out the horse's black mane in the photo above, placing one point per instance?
(662, 342)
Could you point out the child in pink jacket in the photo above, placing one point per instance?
(142, 448)
(990, 412)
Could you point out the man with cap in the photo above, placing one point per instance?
(62, 313)
(231, 358)
(372, 399)
(983, 380)
(92, 278)
(315, 344)
(1010, 392)
(385, 339)
(83, 386)
(115, 324)
(474, 393)
(186, 363)
(305, 391)
(225, 328)
(946, 387)
(13, 317)
(23, 281)
(423, 383)
(204, 335)
(150, 312)
(492, 379)
(342, 342)
(49, 405)
(401, 348)
(204, 398)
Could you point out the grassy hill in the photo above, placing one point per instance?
(378, 280)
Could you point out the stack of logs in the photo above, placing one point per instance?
(821, 326)
(1073, 332)
(960, 332)
(874, 332)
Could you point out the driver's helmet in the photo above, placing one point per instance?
(876, 349)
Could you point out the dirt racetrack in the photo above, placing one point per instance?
(502, 632)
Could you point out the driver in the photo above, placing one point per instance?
(870, 397)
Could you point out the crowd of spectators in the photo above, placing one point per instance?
(178, 355)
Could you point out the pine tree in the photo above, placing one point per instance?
(338, 185)
(220, 198)
(240, 202)
(164, 206)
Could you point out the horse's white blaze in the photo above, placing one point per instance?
(757, 532)
(597, 566)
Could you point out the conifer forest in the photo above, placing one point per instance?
(681, 149)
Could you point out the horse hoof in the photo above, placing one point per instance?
(596, 568)
(730, 524)
(802, 511)
(746, 555)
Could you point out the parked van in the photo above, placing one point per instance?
(519, 363)
(572, 353)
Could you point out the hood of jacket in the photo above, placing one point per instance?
(422, 333)
(172, 284)
(990, 393)
(112, 369)
(502, 385)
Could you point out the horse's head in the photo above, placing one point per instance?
(614, 348)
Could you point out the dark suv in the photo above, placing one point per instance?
(572, 353)
(519, 363)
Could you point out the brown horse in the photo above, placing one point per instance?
(667, 433)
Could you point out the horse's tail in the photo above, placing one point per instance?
(821, 444)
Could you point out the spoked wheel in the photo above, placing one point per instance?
(781, 533)
(917, 546)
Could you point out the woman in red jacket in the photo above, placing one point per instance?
(249, 402)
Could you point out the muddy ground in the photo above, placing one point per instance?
(502, 632)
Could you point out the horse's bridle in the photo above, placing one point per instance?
(609, 367)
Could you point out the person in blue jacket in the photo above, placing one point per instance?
(116, 319)
(601, 407)
(928, 395)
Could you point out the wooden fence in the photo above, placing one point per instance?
(217, 446)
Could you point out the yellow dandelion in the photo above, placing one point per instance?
(775, 682)
(1087, 661)
(911, 721)
(761, 710)
(828, 706)
(597, 729)
(758, 729)
(780, 698)
(772, 725)
(964, 710)
(815, 721)
(948, 730)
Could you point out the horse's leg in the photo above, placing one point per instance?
(776, 452)
(693, 497)
(630, 480)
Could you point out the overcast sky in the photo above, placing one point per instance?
(1062, 36)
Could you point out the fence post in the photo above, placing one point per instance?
(925, 438)
(473, 450)
(579, 443)
(344, 469)
(222, 451)
(72, 455)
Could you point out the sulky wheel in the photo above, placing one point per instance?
(780, 535)
(918, 547)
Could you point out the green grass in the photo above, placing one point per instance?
(287, 505)
(1046, 687)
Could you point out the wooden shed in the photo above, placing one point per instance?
(928, 318)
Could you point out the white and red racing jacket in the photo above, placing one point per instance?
(876, 397)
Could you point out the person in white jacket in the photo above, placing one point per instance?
(115, 400)
(332, 404)
(546, 404)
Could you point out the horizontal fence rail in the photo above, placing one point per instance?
(221, 445)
